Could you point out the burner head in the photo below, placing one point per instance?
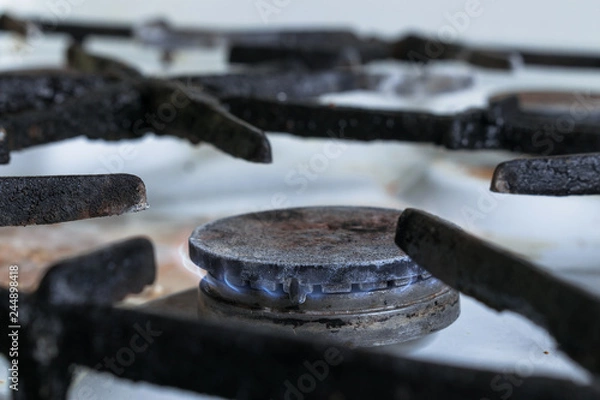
(328, 271)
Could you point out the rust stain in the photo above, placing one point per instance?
(35, 248)
(481, 172)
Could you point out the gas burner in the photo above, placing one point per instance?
(330, 272)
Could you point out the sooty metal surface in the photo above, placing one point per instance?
(321, 271)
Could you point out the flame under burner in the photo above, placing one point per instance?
(331, 272)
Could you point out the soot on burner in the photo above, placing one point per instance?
(332, 272)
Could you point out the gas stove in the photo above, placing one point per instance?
(289, 280)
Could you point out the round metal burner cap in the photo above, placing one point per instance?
(330, 247)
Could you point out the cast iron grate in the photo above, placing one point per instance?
(72, 318)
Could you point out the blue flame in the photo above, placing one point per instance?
(235, 288)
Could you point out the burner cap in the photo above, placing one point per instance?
(319, 263)
(330, 247)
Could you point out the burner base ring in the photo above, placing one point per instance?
(357, 319)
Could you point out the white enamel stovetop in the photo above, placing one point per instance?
(189, 186)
